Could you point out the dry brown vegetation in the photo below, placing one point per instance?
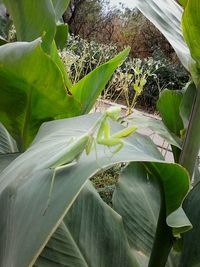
(123, 27)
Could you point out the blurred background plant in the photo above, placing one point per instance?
(151, 67)
(128, 82)
(81, 56)
(137, 82)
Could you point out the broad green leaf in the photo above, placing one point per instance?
(57, 60)
(187, 102)
(190, 24)
(91, 219)
(191, 32)
(175, 184)
(88, 238)
(28, 176)
(89, 88)
(61, 35)
(33, 19)
(175, 190)
(137, 200)
(6, 159)
(168, 106)
(7, 143)
(183, 2)
(32, 91)
(190, 256)
(61, 250)
(60, 6)
(166, 16)
(154, 124)
(196, 178)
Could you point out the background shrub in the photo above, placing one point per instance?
(137, 81)
(81, 56)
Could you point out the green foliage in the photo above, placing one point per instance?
(61, 35)
(89, 88)
(170, 25)
(130, 79)
(60, 6)
(183, 2)
(190, 22)
(78, 228)
(51, 138)
(169, 103)
(43, 25)
(155, 74)
(191, 252)
(171, 75)
(40, 85)
(81, 57)
(187, 112)
(33, 99)
(7, 143)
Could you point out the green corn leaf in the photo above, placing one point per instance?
(183, 2)
(189, 94)
(175, 190)
(89, 88)
(190, 23)
(137, 200)
(60, 6)
(32, 91)
(77, 241)
(166, 16)
(57, 60)
(169, 107)
(7, 143)
(191, 32)
(38, 20)
(190, 255)
(6, 159)
(61, 35)
(28, 176)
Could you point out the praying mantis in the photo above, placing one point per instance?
(69, 156)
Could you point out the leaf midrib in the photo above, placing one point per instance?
(75, 244)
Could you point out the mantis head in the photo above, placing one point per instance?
(113, 113)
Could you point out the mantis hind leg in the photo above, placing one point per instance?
(53, 180)
(96, 155)
(50, 191)
(112, 142)
(118, 148)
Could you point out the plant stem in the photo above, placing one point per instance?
(163, 240)
(191, 143)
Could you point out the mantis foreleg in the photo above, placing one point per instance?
(75, 147)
